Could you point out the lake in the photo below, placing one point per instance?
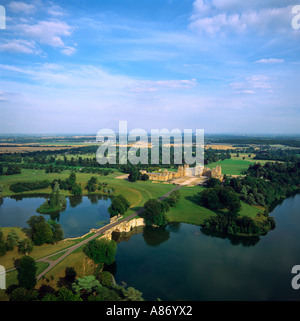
(180, 262)
(82, 213)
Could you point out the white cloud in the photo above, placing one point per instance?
(251, 84)
(201, 7)
(56, 11)
(252, 92)
(68, 51)
(19, 46)
(218, 24)
(270, 61)
(238, 17)
(259, 81)
(153, 86)
(47, 32)
(21, 7)
(238, 5)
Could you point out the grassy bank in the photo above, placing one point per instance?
(189, 211)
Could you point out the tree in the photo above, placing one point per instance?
(57, 232)
(119, 205)
(25, 246)
(134, 175)
(210, 199)
(2, 244)
(26, 272)
(144, 177)
(72, 180)
(76, 189)
(101, 251)
(91, 185)
(22, 294)
(43, 234)
(86, 285)
(64, 294)
(155, 212)
(11, 240)
(106, 278)
(173, 199)
(131, 294)
(32, 222)
(55, 196)
(212, 182)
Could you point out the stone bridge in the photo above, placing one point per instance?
(123, 226)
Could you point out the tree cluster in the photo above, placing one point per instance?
(41, 231)
(119, 205)
(266, 184)
(25, 246)
(29, 186)
(69, 184)
(101, 251)
(98, 287)
(219, 197)
(231, 223)
(155, 212)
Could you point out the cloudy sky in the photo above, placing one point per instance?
(225, 66)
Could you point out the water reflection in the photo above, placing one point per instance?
(120, 237)
(78, 218)
(75, 200)
(174, 227)
(154, 236)
(25, 196)
(206, 265)
(234, 240)
(94, 198)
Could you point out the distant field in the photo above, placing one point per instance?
(24, 149)
(236, 165)
(232, 166)
(220, 146)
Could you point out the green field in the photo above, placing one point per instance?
(237, 165)
(232, 166)
(189, 211)
(137, 193)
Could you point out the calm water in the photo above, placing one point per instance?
(80, 215)
(179, 262)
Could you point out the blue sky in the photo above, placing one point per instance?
(225, 66)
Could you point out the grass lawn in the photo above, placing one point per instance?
(250, 159)
(78, 260)
(137, 193)
(38, 252)
(188, 210)
(232, 166)
(236, 165)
